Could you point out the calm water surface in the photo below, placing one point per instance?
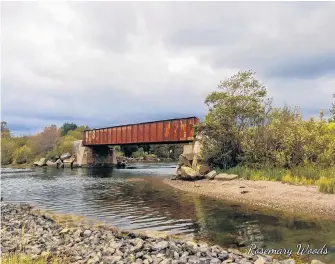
(107, 195)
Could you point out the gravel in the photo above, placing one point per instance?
(26, 230)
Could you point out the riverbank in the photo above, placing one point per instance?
(300, 200)
(29, 231)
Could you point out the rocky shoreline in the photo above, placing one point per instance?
(26, 230)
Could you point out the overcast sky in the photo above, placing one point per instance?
(110, 63)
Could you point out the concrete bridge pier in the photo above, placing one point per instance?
(94, 156)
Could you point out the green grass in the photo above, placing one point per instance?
(324, 178)
(326, 185)
(27, 259)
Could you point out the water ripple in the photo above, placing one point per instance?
(108, 196)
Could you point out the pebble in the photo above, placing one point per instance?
(103, 245)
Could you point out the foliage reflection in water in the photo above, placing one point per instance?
(109, 196)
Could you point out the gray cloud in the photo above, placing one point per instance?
(106, 63)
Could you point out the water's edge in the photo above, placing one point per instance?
(136, 199)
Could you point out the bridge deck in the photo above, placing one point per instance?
(163, 131)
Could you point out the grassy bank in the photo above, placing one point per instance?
(323, 178)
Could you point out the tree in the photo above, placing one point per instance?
(45, 141)
(138, 153)
(22, 155)
(78, 132)
(332, 113)
(5, 133)
(161, 151)
(240, 104)
(7, 150)
(66, 127)
(129, 149)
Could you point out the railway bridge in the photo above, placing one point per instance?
(97, 146)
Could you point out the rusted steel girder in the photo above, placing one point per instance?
(164, 131)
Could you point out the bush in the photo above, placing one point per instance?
(22, 155)
(138, 153)
(150, 156)
(7, 150)
(326, 185)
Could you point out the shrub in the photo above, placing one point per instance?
(326, 185)
(22, 155)
(138, 153)
(7, 150)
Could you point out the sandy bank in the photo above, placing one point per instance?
(305, 200)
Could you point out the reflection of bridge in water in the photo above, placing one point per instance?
(97, 145)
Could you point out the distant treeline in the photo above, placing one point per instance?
(50, 142)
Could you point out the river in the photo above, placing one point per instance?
(111, 196)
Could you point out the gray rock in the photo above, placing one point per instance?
(211, 175)
(41, 162)
(223, 256)
(260, 260)
(148, 257)
(87, 232)
(193, 260)
(139, 254)
(288, 261)
(108, 259)
(315, 261)
(156, 260)
(66, 155)
(78, 233)
(166, 261)
(215, 261)
(225, 177)
(183, 260)
(160, 245)
(205, 260)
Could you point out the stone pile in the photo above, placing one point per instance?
(25, 230)
(191, 167)
(64, 161)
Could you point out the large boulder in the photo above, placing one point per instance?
(187, 173)
(41, 162)
(68, 162)
(203, 169)
(225, 177)
(211, 175)
(65, 156)
(183, 160)
(195, 162)
(59, 163)
(50, 163)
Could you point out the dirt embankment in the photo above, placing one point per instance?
(305, 200)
